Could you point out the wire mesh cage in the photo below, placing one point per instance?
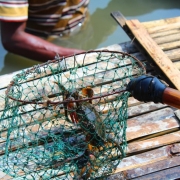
(66, 119)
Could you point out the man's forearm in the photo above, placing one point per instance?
(33, 47)
(19, 42)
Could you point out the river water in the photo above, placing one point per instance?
(101, 30)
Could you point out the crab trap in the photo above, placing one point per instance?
(66, 119)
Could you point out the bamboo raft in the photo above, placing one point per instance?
(153, 133)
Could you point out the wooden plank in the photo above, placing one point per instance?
(162, 169)
(170, 46)
(165, 33)
(127, 47)
(166, 174)
(151, 129)
(166, 39)
(174, 55)
(144, 159)
(155, 52)
(153, 123)
(153, 116)
(144, 108)
(121, 20)
(177, 113)
(163, 28)
(152, 143)
(161, 22)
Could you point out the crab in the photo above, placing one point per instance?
(87, 117)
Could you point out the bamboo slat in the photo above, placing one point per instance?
(174, 55)
(163, 28)
(161, 22)
(151, 124)
(165, 33)
(144, 159)
(141, 108)
(167, 39)
(152, 143)
(166, 174)
(155, 52)
(165, 169)
(170, 45)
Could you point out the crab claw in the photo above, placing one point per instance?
(71, 107)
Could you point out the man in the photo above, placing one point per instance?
(23, 20)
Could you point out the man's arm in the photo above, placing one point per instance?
(16, 40)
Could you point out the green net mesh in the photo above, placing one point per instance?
(66, 119)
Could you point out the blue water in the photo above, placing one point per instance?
(101, 29)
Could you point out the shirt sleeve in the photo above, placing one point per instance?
(13, 10)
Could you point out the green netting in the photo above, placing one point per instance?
(66, 119)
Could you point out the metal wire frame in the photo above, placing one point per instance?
(58, 59)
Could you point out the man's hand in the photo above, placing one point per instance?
(147, 88)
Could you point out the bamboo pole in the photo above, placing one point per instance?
(171, 97)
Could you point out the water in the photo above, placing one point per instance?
(101, 29)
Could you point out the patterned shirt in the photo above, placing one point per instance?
(45, 17)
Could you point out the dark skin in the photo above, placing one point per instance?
(16, 40)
